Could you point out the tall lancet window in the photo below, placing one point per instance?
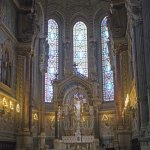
(108, 84)
(53, 36)
(80, 57)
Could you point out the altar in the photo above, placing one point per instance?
(77, 143)
(76, 114)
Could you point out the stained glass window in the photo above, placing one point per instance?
(80, 48)
(108, 84)
(52, 70)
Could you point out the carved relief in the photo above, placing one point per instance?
(6, 63)
(8, 122)
(50, 125)
(107, 124)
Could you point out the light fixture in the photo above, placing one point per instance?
(1, 106)
(105, 118)
(52, 120)
(35, 117)
(17, 108)
(11, 105)
(5, 103)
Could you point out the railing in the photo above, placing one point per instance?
(77, 139)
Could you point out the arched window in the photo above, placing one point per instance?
(53, 36)
(108, 84)
(80, 48)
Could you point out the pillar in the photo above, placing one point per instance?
(146, 40)
(42, 68)
(42, 135)
(118, 87)
(24, 139)
(124, 72)
(96, 123)
(140, 72)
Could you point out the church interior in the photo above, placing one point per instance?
(74, 75)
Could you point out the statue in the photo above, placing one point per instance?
(36, 27)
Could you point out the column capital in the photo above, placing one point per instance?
(24, 49)
(121, 47)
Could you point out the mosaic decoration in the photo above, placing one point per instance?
(108, 84)
(52, 71)
(80, 57)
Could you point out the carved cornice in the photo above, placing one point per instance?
(4, 89)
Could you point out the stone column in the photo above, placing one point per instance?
(124, 72)
(26, 114)
(135, 17)
(31, 93)
(146, 40)
(27, 94)
(42, 135)
(20, 98)
(24, 139)
(118, 87)
(20, 87)
(44, 48)
(140, 74)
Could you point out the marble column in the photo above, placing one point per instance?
(124, 72)
(118, 87)
(146, 40)
(27, 94)
(24, 139)
(42, 68)
(42, 135)
(20, 98)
